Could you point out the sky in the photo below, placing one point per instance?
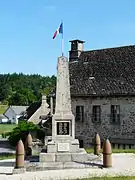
(27, 28)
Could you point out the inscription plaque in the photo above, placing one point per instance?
(62, 128)
(63, 147)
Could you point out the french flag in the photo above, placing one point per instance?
(58, 31)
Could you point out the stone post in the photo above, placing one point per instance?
(28, 145)
(97, 145)
(107, 154)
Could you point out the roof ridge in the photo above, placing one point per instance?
(119, 47)
(112, 77)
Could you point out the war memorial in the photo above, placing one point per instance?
(63, 158)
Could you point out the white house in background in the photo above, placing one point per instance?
(14, 112)
(3, 119)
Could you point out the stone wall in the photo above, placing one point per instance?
(124, 133)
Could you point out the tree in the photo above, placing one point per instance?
(22, 97)
(4, 91)
(46, 91)
(20, 89)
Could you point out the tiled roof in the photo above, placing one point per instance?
(32, 109)
(104, 72)
(19, 109)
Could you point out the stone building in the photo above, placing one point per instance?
(40, 110)
(103, 93)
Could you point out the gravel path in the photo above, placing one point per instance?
(123, 164)
(6, 150)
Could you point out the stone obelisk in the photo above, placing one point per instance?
(63, 117)
(63, 99)
(63, 147)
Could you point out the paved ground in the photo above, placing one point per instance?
(123, 164)
(6, 150)
(5, 147)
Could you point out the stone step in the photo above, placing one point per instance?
(60, 165)
(64, 157)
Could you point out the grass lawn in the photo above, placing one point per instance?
(109, 178)
(3, 108)
(90, 150)
(6, 127)
(2, 157)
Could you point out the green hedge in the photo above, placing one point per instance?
(90, 150)
(110, 178)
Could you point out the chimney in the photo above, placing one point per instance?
(44, 102)
(77, 46)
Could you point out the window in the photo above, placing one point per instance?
(115, 114)
(96, 114)
(80, 113)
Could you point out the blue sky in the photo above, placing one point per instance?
(27, 27)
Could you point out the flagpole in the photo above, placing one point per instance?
(62, 45)
(62, 41)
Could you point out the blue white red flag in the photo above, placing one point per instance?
(58, 31)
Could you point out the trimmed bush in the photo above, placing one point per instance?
(21, 131)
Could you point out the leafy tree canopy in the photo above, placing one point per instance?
(21, 89)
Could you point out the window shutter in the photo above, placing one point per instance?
(79, 113)
(96, 113)
(115, 114)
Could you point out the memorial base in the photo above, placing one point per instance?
(64, 157)
(19, 170)
(63, 145)
(45, 166)
(66, 151)
(79, 162)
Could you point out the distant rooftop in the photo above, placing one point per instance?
(19, 109)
